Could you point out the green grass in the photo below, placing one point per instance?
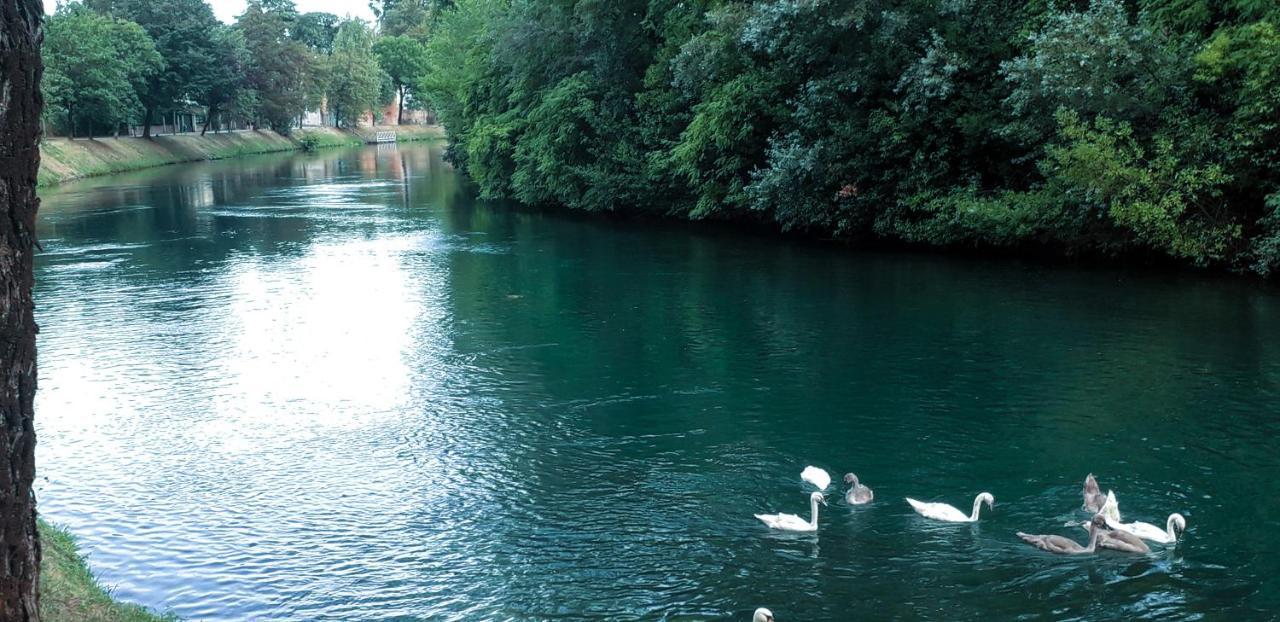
(62, 160)
(70, 593)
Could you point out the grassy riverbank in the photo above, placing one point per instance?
(63, 160)
(70, 593)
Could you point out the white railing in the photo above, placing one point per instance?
(385, 137)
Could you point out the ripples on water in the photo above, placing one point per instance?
(334, 387)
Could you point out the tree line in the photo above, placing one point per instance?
(111, 63)
(1076, 127)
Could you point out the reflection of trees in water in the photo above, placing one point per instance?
(876, 336)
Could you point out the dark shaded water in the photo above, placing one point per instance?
(336, 387)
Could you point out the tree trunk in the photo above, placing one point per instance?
(146, 118)
(400, 107)
(207, 118)
(21, 34)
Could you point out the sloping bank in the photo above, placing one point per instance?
(70, 593)
(63, 160)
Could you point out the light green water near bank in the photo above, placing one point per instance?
(337, 387)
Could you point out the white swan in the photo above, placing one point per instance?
(762, 615)
(1147, 531)
(791, 522)
(942, 511)
(816, 476)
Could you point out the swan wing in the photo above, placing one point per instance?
(1122, 541)
(1052, 544)
(1146, 531)
(938, 511)
(1091, 486)
(1093, 497)
(816, 476)
(1111, 507)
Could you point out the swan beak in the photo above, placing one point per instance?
(824, 501)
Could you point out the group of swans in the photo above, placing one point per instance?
(1106, 530)
(791, 522)
(859, 494)
(1105, 527)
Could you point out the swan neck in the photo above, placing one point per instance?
(977, 503)
(1168, 526)
(1094, 534)
(813, 513)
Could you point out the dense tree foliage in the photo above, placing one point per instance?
(223, 85)
(96, 67)
(316, 31)
(183, 31)
(356, 79)
(1102, 127)
(404, 59)
(118, 62)
(412, 18)
(280, 68)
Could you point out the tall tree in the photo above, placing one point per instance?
(355, 79)
(404, 60)
(183, 32)
(222, 86)
(279, 68)
(20, 103)
(97, 66)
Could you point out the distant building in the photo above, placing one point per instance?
(384, 116)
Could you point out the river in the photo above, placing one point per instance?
(337, 386)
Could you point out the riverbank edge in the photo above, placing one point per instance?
(70, 593)
(63, 160)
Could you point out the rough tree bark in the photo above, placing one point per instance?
(147, 111)
(21, 34)
(208, 117)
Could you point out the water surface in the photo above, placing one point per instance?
(338, 387)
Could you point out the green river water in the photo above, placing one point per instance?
(336, 386)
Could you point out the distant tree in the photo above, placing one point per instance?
(408, 17)
(183, 31)
(316, 31)
(222, 85)
(97, 66)
(280, 68)
(354, 75)
(284, 9)
(404, 59)
(20, 104)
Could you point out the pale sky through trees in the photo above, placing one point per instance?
(227, 10)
